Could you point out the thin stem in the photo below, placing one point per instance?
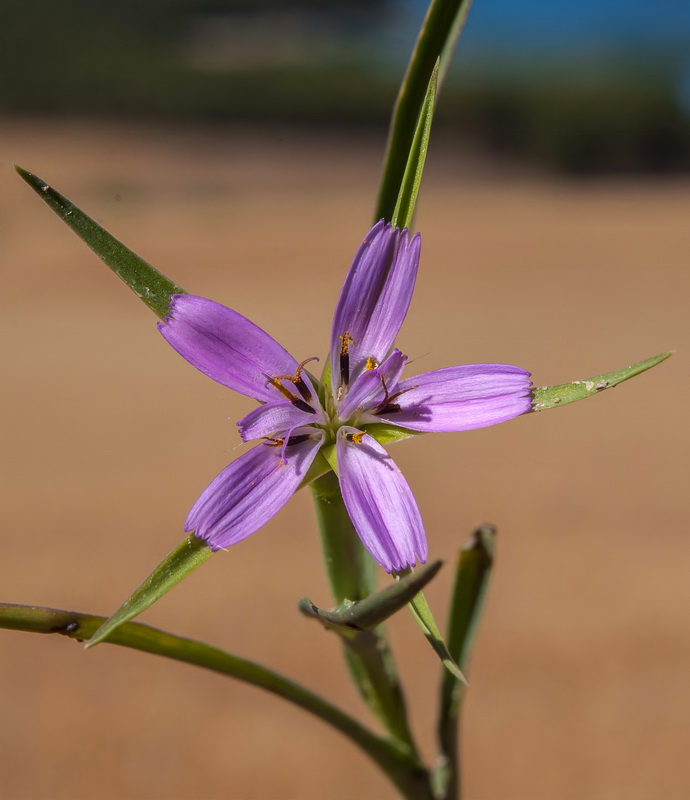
(410, 778)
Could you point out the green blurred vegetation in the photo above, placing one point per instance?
(312, 63)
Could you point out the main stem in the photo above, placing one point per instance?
(351, 572)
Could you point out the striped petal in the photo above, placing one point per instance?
(226, 346)
(462, 398)
(379, 502)
(374, 300)
(246, 494)
(273, 418)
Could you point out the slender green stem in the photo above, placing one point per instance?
(409, 777)
(351, 572)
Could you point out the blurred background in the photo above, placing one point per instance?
(237, 147)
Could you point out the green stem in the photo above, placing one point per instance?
(352, 575)
(409, 776)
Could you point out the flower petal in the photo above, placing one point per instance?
(462, 398)
(273, 418)
(380, 503)
(366, 392)
(374, 300)
(246, 494)
(225, 346)
(392, 368)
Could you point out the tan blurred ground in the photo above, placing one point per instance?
(581, 680)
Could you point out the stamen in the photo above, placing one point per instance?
(372, 363)
(287, 394)
(355, 438)
(297, 379)
(301, 437)
(345, 341)
(388, 406)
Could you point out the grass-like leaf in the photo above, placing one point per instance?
(424, 618)
(144, 280)
(412, 177)
(436, 41)
(375, 609)
(545, 397)
(471, 578)
(174, 568)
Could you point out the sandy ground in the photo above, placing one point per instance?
(580, 682)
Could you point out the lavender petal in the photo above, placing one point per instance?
(374, 299)
(380, 503)
(461, 398)
(274, 418)
(246, 494)
(225, 346)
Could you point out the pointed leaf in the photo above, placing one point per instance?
(551, 396)
(412, 177)
(146, 282)
(378, 607)
(424, 618)
(185, 558)
(442, 26)
(471, 578)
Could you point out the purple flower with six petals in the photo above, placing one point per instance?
(297, 416)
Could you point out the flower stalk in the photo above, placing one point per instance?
(352, 576)
(406, 773)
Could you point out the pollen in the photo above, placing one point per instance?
(372, 363)
(346, 340)
(356, 438)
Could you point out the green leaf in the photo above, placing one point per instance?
(375, 609)
(412, 177)
(424, 618)
(472, 574)
(185, 558)
(442, 26)
(146, 282)
(551, 396)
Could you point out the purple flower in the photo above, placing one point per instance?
(297, 416)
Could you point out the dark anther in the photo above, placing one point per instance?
(298, 403)
(302, 437)
(391, 408)
(344, 368)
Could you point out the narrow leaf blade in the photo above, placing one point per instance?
(412, 177)
(424, 618)
(378, 607)
(442, 26)
(185, 558)
(144, 280)
(545, 397)
(472, 573)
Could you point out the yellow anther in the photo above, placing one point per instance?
(346, 341)
(372, 363)
(356, 438)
